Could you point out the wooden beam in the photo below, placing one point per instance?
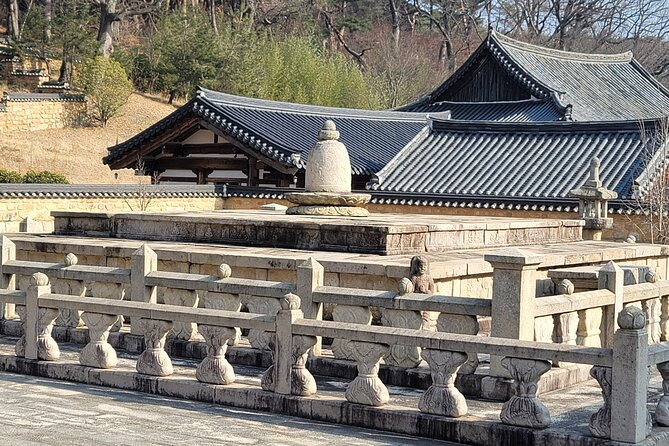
(129, 159)
(251, 152)
(193, 163)
(177, 148)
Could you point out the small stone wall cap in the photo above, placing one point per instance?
(290, 302)
(405, 286)
(39, 279)
(329, 131)
(631, 318)
(71, 259)
(513, 256)
(224, 271)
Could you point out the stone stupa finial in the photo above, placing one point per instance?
(327, 180)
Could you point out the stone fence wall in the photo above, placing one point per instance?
(292, 328)
(27, 208)
(40, 111)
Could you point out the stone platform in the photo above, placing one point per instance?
(384, 234)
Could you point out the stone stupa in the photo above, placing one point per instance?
(328, 181)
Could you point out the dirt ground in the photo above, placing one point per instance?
(77, 152)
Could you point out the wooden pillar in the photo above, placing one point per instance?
(202, 175)
(253, 172)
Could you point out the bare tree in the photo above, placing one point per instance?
(112, 11)
(14, 29)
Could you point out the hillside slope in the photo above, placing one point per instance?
(77, 152)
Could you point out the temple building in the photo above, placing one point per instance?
(514, 127)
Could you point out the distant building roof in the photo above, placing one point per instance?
(599, 87)
(286, 132)
(519, 160)
(528, 110)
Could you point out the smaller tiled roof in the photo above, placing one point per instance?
(37, 97)
(286, 132)
(517, 111)
(519, 160)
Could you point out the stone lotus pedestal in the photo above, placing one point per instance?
(328, 181)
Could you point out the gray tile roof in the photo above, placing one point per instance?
(516, 160)
(286, 132)
(519, 111)
(599, 87)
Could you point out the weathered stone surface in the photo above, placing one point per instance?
(98, 352)
(662, 409)
(367, 388)
(402, 355)
(331, 211)
(228, 302)
(184, 298)
(462, 324)
(215, 369)
(442, 398)
(262, 305)
(524, 408)
(600, 421)
(354, 315)
(154, 360)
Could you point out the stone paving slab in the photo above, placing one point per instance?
(40, 411)
(570, 408)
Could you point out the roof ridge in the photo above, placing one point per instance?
(326, 111)
(503, 40)
(447, 125)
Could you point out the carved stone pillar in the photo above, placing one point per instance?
(652, 308)
(98, 352)
(261, 305)
(184, 298)
(228, 302)
(402, 355)
(69, 318)
(353, 315)
(524, 408)
(47, 348)
(662, 409)
(442, 398)
(302, 382)
(215, 369)
(461, 324)
(588, 333)
(367, 388)
(154, 360)
(600, 421)
(109, 290)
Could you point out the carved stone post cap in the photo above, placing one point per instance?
(631, 318)
(71, 259)
(39, 279)
(290, 302)
(405, 286)
(565, 286)
(651, 276)
(329, 131)
(224, 271)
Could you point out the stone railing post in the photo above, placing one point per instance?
(612, 278)
(310, 276)
(513, 298)
(144, 261)
(289, 375)
(630, 420)
(7, 253)
(37, 341)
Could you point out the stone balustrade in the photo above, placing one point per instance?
(621, 370)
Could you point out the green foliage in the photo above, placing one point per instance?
(185, 53)
(32, 177)
(107, 86)
(9, 176)
(44, 177)
(293, 69)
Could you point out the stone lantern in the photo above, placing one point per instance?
(593, 203)
(328, 180)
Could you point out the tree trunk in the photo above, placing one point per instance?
(395, 22)
(48, 11)
(108, 15)
(14, 29)
(212, 16)
(66, 70)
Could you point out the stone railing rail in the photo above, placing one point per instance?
(622, 370)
